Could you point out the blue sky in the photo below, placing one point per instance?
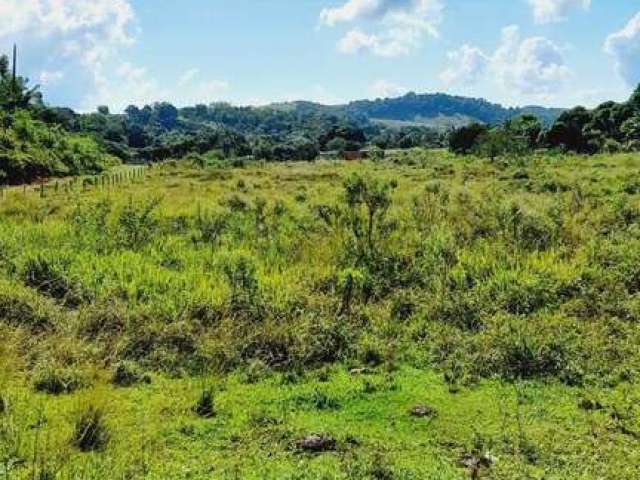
(116, 52)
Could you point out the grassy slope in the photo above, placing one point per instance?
(534, 429)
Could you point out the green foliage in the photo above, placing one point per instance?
(14, 90)
(127, 374)
(464, 139)
(368, 201)
(137, 223)
(30, 149)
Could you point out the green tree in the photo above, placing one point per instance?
(525, 127)
(464, 139)
(14, 90)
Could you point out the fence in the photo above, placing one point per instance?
(79, 184)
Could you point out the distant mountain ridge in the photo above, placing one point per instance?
(438, 110)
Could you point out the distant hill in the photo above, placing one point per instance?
(437, 110)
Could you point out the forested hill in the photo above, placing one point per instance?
(437, 110)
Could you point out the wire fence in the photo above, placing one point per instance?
(75, 185)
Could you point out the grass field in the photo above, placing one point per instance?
(426, 316)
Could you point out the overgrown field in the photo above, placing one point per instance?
(426, 316)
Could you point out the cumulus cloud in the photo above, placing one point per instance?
(91, 38)
(549, 11)
(132, 84)
(400, 24)
(466, 65)
(352, 10)
(385, 89)
(624, 46)
(82, 34)
(531, 66)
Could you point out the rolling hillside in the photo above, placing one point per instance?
(434, 110)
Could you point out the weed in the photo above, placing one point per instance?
(90, 432)
(205, 406)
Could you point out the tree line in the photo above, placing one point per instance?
(611, 127)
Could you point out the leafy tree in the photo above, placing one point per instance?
(498, 142)
(464, 139)
(631, 129)
(568, 131)
(14, 90)
(525, 127)
(166, 115)
(337, 144)
(31, 149)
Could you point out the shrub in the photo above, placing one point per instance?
(351, 285)
(127, 374)
(210, 227)
(368, 201)
(524, 349)
(137, 224)
(58, 380)
(245, 299)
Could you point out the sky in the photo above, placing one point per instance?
(86, 53)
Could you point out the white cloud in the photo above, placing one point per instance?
(350, 11)
(532, 66)
(467, 64)
(356, 41)
(188, 76)
(128, 85)
(548, 11)
(624, 46)
(83, 34)
(402, 24)
(90, 38)
(385, 89)
(134, 85)
(48, 78)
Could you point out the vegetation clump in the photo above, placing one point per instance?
(90, 432)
